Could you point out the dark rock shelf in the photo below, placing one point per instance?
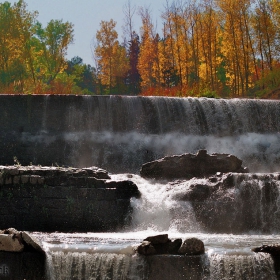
(37, 198)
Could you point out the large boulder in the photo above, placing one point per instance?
(159, 244)
(12, 240)
(192, 246)
(146, 248)
(186, 166)
(9, 243)
(158, 239)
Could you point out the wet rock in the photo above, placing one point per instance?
(192, 246)
(97, 172)
(12, 240)
(273, 249)
(146, 248)
(219, 201)
(186, 166)
(174, 246)
(158, 239)
(199, 192)
(124, 189)
(37, 174)
(31, 242)
(60, 196)
(10, 244)
(9, 231)
(159, 244)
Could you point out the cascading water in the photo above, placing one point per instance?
(155, 127)
(120, 134)
(160, 210)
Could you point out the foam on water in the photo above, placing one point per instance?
(227, 256)
(112, 255)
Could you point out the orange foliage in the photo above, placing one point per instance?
(168, 91)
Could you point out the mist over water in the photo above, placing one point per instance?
(122, 133)
(259, 152)
(126, 152)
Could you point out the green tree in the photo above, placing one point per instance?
(84, 76)
(54, 42)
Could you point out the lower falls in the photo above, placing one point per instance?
(120, 134)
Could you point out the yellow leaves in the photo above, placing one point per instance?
(111, 56)
(107, 35)
(24, 57)
(146, 61)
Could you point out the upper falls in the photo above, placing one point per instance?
(120, 133)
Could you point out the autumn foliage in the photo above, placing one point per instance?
(211, 48)
(226, 48)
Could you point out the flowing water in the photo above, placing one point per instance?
(112, 255)
(120, 134)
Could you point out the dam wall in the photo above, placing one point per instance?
(120, 133)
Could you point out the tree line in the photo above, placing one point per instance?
(33, 57)
(213, 48)
(227, 48)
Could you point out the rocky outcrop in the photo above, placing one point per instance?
(273, 249)
(12, 240)
(229, 202)
(40, 198)
(192, 246)
(161, 244)
(187, 166)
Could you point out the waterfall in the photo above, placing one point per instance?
(232, 260)
(258, 266)
(249, 207)
(101, 266)
(134, 130)
(234, 204)
(120, 133)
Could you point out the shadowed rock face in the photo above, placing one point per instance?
(232, 202)
(187, 166)
(40, 198)
(159, 244)
(273, 249)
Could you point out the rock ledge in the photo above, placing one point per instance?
(187, 166)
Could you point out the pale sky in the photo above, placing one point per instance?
(86, 16)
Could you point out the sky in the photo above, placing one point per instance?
(86, 16)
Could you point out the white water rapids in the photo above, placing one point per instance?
(112, 256)
(120, 134)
